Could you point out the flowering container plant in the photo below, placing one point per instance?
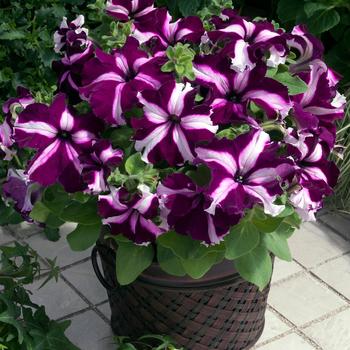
(191, 151)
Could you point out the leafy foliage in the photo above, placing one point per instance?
(23, 324)
(155, 342)
(329, 19)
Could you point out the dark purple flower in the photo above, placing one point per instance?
(184, 207)
(111, 82)
(71, 37)
(131, 214)
(246, 42)
(159, 24)
(320, 105)
(24, 99)
(22, 191)
(60, 136)
(306, 46)
(98, 165)
(124, 10)
(245, 171)
(232, 91)
(172, 124)
(315, 175)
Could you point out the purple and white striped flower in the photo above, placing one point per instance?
(59, 136)
(247, 42)
(111, 82)
(320, 105)
(131, 214)
(172, 124)
(97, 165)
(71, 37)
(184, 207)
(23, 192)
(232, 91)
(124, 10)
(245, 171)
(9, 108)
(308, 48)
(159, 25)
(315, 175)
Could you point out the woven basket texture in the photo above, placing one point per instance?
(228, 316)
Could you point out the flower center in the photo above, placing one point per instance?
(239, 179)
(174, 119)
(64, 135)
(130, 76)
(233, 97)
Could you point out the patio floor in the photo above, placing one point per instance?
(309, 303)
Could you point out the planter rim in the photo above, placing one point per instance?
(221, 274)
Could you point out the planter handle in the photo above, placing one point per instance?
(97, 249)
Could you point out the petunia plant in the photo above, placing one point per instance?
(193, 141)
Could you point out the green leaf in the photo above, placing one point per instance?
(256, 267)
(121, 137)
(82, 213)
(197, 268)
(294, 84)
(131, 261)
(188, 8)
(185, 247)
(84, 236)
(323, 21)
(201, 176)
(55, 198)
(9, 318)
(277, 244)
(242, 238)
(12, 35)
(168, 67)
(311, 7)
(267, 223)
(288, 10)
(169, 262)
(134, 164)
(52, 234)
(293, 220)
(53, 338)
(40, 212)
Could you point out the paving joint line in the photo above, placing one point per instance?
(87, 300)
(322, 282)
(293, 329)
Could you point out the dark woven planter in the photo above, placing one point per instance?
(219, 311)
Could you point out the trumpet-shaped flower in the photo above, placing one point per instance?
(22, 191)
(98, 165)
(247, 42)
(131, 214)
(172, 124)
(315, 175)
(307, 46)
(320, 105)
(124, 10)
(245, 171)
(159, 25)
(184, 207)
(111, 82)
(71, 37)
(24, 99)
(59, 136)
(232, 91)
